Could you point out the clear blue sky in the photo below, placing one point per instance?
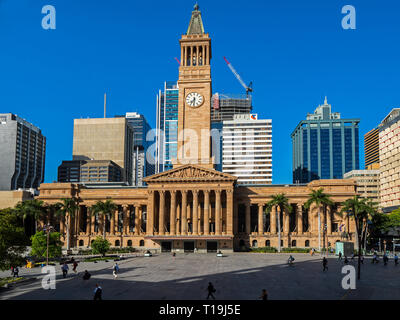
(295, 52)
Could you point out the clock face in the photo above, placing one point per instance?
(194, 99)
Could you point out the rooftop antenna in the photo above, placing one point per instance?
(105, 104)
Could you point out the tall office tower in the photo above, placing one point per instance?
(167, 127)
(324, 146)
(22, 155)
(105, 139)
(371, 148)
(367, 182)
(143, 165)
(225, 107)
(247, 149)
(389, 161)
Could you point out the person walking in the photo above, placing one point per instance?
(65, 269)
(264, 295)
(16, 271)
(115, 270)
(211, 290)
(325, 263)
(340, 255)
(98, 291)
(346, 261)
(12, 270)
(385, 259)
(75, 264)
(396, 260)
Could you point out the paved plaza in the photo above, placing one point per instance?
(237, 276)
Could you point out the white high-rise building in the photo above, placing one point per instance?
(247, 149)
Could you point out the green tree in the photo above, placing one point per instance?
(31, 208)
(360, 209)
(67, 209)
(100, 246)
(321, 200)
(105, 209)
(13, 240)
(281, 202)
(39, 244)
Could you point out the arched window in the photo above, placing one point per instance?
(81, 243)
(255, 244)
(117, 243)
(141, 243)
(307, 244)
(129, 243)
(294, 243)
(267, 243)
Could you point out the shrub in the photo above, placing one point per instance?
(264, 250)
(100, 246)
(295, 250)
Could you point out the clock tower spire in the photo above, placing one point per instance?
(194, 105)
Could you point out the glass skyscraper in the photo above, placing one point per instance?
(324, 146)
(167, 126)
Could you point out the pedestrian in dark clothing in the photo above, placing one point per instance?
(346, 261)
(340, 255)
(211, 290)
(12, 270)
(264, 295)
(325, 263)
(86, 275)
(98, 291)
(385, 259)
(65, 269)
(396, 260)
(75, 264)
(16, 271)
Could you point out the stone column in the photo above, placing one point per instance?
(229, 212)
(112, 221)
(172, 224)
(88, 220)
(299, 218)
(260, 219)
(183, 213)
(273, 220)
(195, 222)
(248, 220)
(93, 221)
(161, 222)
(62, 225)
(286, 221)
(218, 212)
(138, 220)
(150, 214)
(329, 220)
(125, 219)
(206, 212)
(178, 218)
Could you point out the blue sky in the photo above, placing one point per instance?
(295, 52)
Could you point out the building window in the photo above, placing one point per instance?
(129, 244)
(141, 243)
(307, 243)
(117, 243)
(255, 244)
(294, 243)
(267, 243)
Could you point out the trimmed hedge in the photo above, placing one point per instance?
(264, 250)
(295, 250)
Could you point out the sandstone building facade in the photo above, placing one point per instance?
(194, 208)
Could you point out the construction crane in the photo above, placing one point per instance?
(248, 88)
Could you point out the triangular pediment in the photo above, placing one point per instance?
(190, 173)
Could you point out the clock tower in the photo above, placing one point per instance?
(194, 106)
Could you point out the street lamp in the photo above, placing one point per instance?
(48, 228)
